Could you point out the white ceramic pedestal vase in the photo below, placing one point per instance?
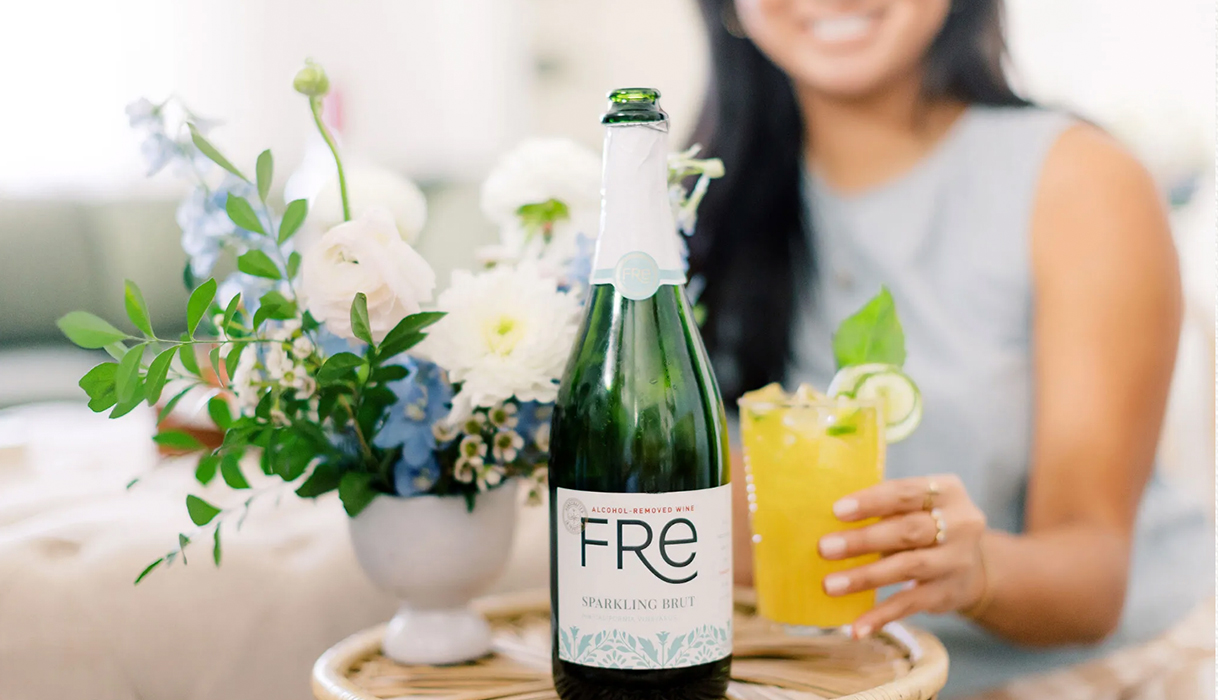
(436, 556)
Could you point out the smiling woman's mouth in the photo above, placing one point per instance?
(843, 27)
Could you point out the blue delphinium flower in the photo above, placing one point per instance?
(250, 287)
(424, 397)
(207, 230)
(579, 267)
(532, 416)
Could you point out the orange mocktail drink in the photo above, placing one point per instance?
(802, 453)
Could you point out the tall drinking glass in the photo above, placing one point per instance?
(801, 455)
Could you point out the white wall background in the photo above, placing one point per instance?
(435, 88)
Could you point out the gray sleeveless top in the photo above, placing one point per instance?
(950, 238)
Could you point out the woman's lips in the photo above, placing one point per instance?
(841, 29)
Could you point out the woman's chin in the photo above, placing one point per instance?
(844, 81)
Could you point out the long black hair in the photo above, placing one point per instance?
(752, 247)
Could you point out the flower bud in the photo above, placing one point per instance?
(311, 80)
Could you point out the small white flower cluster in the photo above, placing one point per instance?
(685, 203)
(472, 465)
(285, 359)
(283, 366)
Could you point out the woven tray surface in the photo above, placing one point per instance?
(768, 663)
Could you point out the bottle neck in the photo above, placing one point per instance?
(637, 250)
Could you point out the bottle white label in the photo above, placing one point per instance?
(644, 579)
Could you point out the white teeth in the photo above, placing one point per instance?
(844, 28)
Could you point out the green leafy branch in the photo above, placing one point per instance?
(314, 432)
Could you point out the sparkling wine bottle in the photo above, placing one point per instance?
(640, 515)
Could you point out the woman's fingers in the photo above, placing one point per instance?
(912, 565)
(898, 496)
(933, 596)
(900, 532)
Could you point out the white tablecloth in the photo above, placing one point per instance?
(73, 538)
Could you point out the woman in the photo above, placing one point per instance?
(873, 142)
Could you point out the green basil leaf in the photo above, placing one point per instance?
(872, 334)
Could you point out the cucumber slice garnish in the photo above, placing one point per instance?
(898, 396)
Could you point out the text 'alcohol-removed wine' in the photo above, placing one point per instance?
(640, 505)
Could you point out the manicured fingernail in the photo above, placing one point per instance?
(836, 583)
(845, 507)
(861, 631)
(832, 546)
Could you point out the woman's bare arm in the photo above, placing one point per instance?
(1105, 324)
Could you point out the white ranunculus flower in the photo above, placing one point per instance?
(534, 173)
(507, 333)
(365, 255)
(367, 187)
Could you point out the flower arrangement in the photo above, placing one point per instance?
(333, 365)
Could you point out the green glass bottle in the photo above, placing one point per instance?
(640, 505)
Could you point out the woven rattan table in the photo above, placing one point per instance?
(768, 664)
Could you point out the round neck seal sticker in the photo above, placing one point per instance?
(637, 276)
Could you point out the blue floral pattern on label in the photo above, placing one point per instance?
(621, 650)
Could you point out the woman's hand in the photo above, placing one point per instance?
(930, 535)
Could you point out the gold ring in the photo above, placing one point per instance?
(940, 525)
(932, 490)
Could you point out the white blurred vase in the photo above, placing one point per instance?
(436, 556)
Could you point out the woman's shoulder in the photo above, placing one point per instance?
(1015, 129)
(1095, 202)
(1084, 159)
(1066, 146)
(1056, 160)
(1001, 150)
